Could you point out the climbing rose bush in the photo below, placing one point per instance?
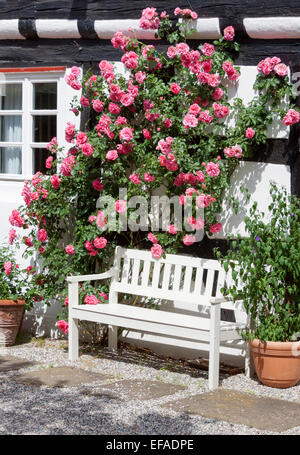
(163, 125)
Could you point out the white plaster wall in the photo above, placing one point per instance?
(256, 177)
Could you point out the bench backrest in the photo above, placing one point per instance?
(176, 277)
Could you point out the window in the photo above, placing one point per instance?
(30, 115)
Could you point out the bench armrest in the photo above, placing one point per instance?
(98, 276)
(222, 299)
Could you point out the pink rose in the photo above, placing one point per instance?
(126, 134)
(203, 200)
(172, 229)
(152, 238)
(70, 249)
(97, 185)
(101, 220)
(121, 120)
(156, 251)
(97, 105)
(7, 267)
(120, 206)
(229, 33)
(49, 162)
(218, 93)
(12, 236)
(205, 117)
(190, 120)
(189, 239)
(112, 155)
(147, 134)
(55, 181)
(208, 49)
(212, 169)
(175, 88)
(140, 76)
(114, 108)
(100, 242)
(103, 295)
(194, 109)
(87, 149)
(215, 228)
(63, 326)
(69, 132)
(81, 138)
(135, 178)
(291, 117)
(42, 235)
(84, 101)
(171, 52)
(148, 177)
(127, 100)
(90, 300)
(281, 69)
(249, 133)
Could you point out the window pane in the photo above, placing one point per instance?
(45, 95)
(11, 160)
(39, 157)
(44, 128)
(10, 96)
(11, 128)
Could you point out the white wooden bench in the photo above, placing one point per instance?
(177, 277)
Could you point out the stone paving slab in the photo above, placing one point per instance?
(136, 390)
(60, 377)
(8, 363)
(241, 408)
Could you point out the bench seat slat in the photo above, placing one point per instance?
(156, 316)
(140, 325)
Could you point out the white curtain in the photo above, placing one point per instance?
(11, 130)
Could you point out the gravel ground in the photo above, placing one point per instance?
(29, 410)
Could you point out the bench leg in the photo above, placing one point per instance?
(113, 337)
(73, 339)
(214, 347)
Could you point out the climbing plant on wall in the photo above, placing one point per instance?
(165, 125)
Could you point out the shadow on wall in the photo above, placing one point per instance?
(41, 321)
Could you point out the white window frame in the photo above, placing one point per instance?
(27, 145)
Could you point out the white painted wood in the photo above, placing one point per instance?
(209, 282)
(73, 323)
(281, 27)
(92, 277)
(57, 28)
(214, 347)
(73, 339)
(9, 29)
(194, 327)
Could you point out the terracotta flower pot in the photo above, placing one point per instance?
(277, 364)
(11, 317)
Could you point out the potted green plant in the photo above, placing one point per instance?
(16, 295)
(265, 269)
